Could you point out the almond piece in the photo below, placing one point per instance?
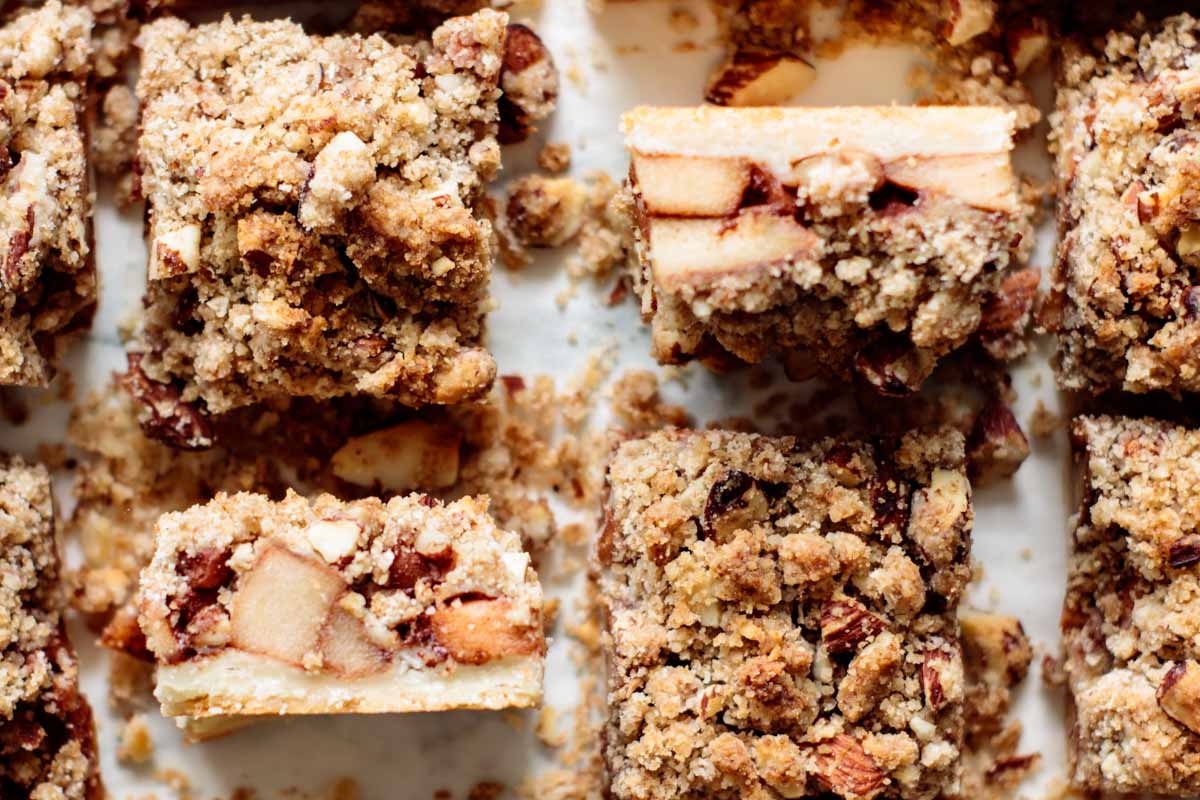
(846, 623)
(334, 539)
(529, 81)
(844, 767)
(1179, 694)
(345, 647)
(941, 514)
(340, 172)
(404, 457)
(477, 631)
(942, 678)
(668, 184)
(996, 446)
(752, 77)
(967, 19)
(175, 252)
(281, 604)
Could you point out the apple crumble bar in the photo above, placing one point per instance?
(1126, 291)
(47, 273)
(866, 240)
(47, 737)
(312, 220)
(252, 607)
(780, 618)
(1130, 624)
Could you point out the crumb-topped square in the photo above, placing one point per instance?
(780, 618)
(47, 737)
(313, 227)
(1130, 622)
(47, 272)
(1126, 301)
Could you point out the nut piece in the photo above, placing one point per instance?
(1179, 694)
(478, 631)
(997, 446)
(546, 212)
(1189, 244)
(967, 19)
(334, 539)
(753, 77)
(176, 252)
(842, 765)
(530, 84)
(869, 675)
(845, 624)
(281, 604)
(342, 169)
(998, 647)
(942, 678)
(1028, 44)
(404, 457)
(941, 514)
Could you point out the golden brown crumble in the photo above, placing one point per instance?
(555, 157)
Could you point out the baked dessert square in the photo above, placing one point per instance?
(253, 607)
(781, 618)
(47, 270)
(867, 241)
(313, 226)
(47, 737)
(1126, 291)
(1130, 618)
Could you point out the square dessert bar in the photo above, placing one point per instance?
(47, 272)
(255, 607)
(780, 618)
(1130, 622)
(865, 240)
(312, 214)
(1126, 288)
(47, 737)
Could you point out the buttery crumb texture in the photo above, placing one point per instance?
(314, 607)
(1130, 623)
(47, 738)
(1126, 302)
(312, 216)
(47, 273)
(866, 242)
(781, 618)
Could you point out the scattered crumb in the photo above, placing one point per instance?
(682, 20)
(486, 790)
(555, 157)
(1026, 554)
(547, 729)
(136, 746)
(1043, 422)
(636, 403)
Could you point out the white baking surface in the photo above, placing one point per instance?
(611, 60)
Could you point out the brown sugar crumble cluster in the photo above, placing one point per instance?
(781, 619)
(47, 738)
(866, 243)
(255, 607)
(1126, 132)
(47, 273)
(1130, 620)
(312, 216)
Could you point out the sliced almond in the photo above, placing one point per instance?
(477, 631)
(346, 648)
(692, 252)
(281, 604)
(842, 765)
(759, 78)
(404, 457)
(690, 186)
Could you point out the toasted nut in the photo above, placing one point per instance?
(340, 172)
(176, 252)
(942, 678)
(411, 455)
(1189, 244)
(334, 539)
(967, 19)
(1179, 694)
(123, 634)
(998, 647)
(530, 84)
(842, 765)
(759, 78)
(868, 676)
(163, 414)
(941, 515)
(996, 446)
(1184, 551)
(845, 624)
(545, 212)
(734, 501)
(478, 631)
(1028, 44)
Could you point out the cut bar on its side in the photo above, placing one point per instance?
(1130, 621)
(319, 607)
(47, 271)
(781, 618)
(871, 238)
(1126, 284)
(313, 216)
(47, 737)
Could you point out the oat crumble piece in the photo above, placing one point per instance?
(255, 607)
(780, 618)
(555, 157)
(315, 234)
(1129, 620)
(47, 272)
(1126, 299)
(47, 737)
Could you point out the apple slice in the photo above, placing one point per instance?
(412, 455)
(477, 631)
(281, 604)
(346, 648)
(690, 186)
(983, 180)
